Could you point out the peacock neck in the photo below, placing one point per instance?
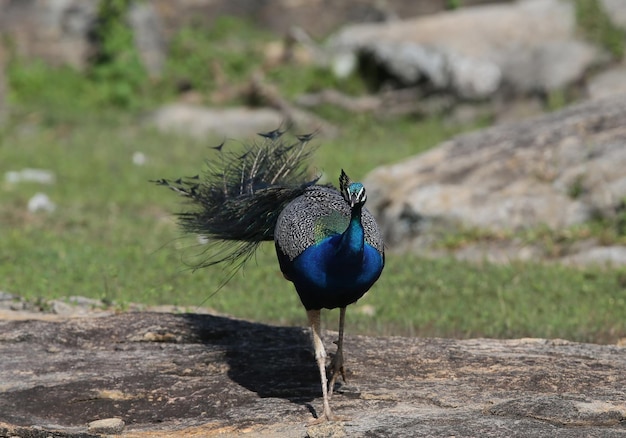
(352, 240)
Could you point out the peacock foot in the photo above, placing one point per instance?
(326, 418)
(336, 369)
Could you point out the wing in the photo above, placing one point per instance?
(319, 213)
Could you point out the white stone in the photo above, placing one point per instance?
(41, 176)
(107, 426)
(139, 159)
(41, 202)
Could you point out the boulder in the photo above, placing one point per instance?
(616, 11)
(146, 374)
(525, 46)
(608, 82)
(148, 36)
(598, 255)
(198, 121)
(555, 170)
(236, 122)
(280, 16)
(56, 31)
(60, 32)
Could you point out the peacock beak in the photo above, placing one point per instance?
(353, 199)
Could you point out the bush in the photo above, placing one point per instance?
(117, 70)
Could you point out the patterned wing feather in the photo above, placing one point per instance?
(321, 211)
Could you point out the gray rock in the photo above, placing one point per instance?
(206, 375)
(10, 302)
(41, 176)
(608, 83)
(56, 31)
(41, 202)
(473, 78)
(18, 305)
(85, 302)
(60, 31)
(149, 36)
(503, 252)
(529, 45)
(411, 62)
(280, 16)
(551, 65)
(237, 122)
(557, 170)
(107, 426)
(6, 296)
(61, 308)
(616, 10)
(77, 306)
(601, 255)
(200, 121)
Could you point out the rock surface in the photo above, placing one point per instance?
(106, 426)
(59, 31)
(616, 11)
(608, 83)
(149, 36)
(202, 375)
(199, 121)
(557, 170)
(526, 46)
(234, 122)
(280, 16)
(598, 255)
(54, 31)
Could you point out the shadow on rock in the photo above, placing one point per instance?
(270, 361)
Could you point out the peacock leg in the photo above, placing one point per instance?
(336, 366)
(320, 357)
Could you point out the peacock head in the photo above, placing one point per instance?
(353, 192)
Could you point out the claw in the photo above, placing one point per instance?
(325, 418)
(336, 369)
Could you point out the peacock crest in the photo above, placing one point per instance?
(352, 192)
(344, 184)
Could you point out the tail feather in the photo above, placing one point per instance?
(236, 202)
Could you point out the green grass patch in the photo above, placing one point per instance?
(113, 237)
(596, 25)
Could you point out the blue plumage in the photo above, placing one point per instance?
(325, 280)
(328, 244)
(344, 257)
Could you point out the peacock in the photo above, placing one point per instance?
(328, 244)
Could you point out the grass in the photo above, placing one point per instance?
(113, 237)
(596, 26)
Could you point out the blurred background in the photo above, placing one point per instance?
(490, 136)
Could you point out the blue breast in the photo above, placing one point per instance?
(327, 278)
